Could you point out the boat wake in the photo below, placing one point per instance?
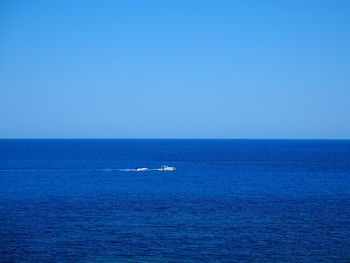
(163, 168)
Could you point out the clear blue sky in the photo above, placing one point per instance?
(175, 69)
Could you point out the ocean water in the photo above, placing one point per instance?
(228, 201)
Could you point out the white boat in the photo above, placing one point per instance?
(167, 168)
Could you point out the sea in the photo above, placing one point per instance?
(228, 200)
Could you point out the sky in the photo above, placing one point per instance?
(175, 69)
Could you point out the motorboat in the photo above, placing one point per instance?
(167, 168)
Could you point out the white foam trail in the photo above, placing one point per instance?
(75, 170)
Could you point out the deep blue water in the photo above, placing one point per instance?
(228, 201)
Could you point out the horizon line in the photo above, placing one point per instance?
(170, 138)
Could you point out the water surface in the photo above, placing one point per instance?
(228, 201)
